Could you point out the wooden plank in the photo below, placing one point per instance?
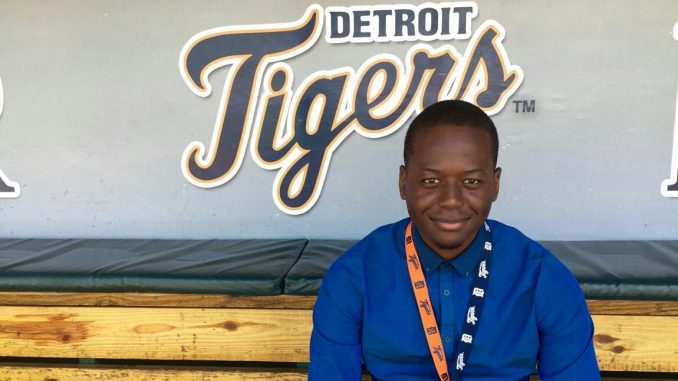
(623, 343)
(633, 307)
(27, 373)
(155, 333)
(22, 373)
(636, 343)
(139, 299)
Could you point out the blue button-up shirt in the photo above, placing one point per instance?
(534, 313)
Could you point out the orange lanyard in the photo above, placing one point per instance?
(428, 319)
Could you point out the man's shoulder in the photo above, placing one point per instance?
(509, 234)
(517, 249)
(516, 243)
(381, 240)
(377, 247)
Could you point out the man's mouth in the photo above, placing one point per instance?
(449, 224)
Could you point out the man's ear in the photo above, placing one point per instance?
(402, 179)
(497, 177)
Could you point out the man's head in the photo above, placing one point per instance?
(450, 178)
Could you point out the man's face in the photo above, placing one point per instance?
(449, 185)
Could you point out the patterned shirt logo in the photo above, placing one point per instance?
(460, 361)
(479, 292)
(482, 270)
(471, 315)
(467, 338)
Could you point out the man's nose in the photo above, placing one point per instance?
(451, 195)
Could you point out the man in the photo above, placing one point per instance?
(447, 294)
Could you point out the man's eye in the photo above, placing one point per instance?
(472, 181)
(431, 180)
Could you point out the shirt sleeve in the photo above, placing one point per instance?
(336, 349)
(565, 327)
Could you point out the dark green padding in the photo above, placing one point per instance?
(641, 270)
(237, 267)
(306, 275)
(645, 270)
(605, 269)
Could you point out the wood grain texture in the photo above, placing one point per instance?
(27, 373)
(121, 374)
(623, 342)
(636, 343)
(155, 333)
(633, 307)
(138, 299)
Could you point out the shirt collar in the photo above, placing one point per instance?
(464, 263)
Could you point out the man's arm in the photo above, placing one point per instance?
(336, 349)
(565, 327)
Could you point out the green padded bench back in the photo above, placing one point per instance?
(306, 275)
(645, 270)
(605, 269)
(238, 267)
(631, 270)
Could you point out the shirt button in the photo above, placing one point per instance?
(446, 292)
(447, 339)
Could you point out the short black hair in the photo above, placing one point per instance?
(451, 113)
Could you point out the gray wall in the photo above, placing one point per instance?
(96, 118)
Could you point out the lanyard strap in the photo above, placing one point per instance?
(428, 319)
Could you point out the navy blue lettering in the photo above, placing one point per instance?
(360, 21)
(5, 188)
(445, 22)
(314, 144)
(381, 20)
(362, 105)
(273, 118)
(463, 14)
(251, 47)
(340, 24)
(8, 188)
(440, 67)
(404, 20)
(428, 16)
(497, 80)
(673, 187)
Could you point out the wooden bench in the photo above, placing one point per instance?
(48, 336)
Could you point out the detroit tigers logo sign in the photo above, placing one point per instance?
(8, 188)
(294, 129)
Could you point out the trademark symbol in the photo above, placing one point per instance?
(525, 106)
